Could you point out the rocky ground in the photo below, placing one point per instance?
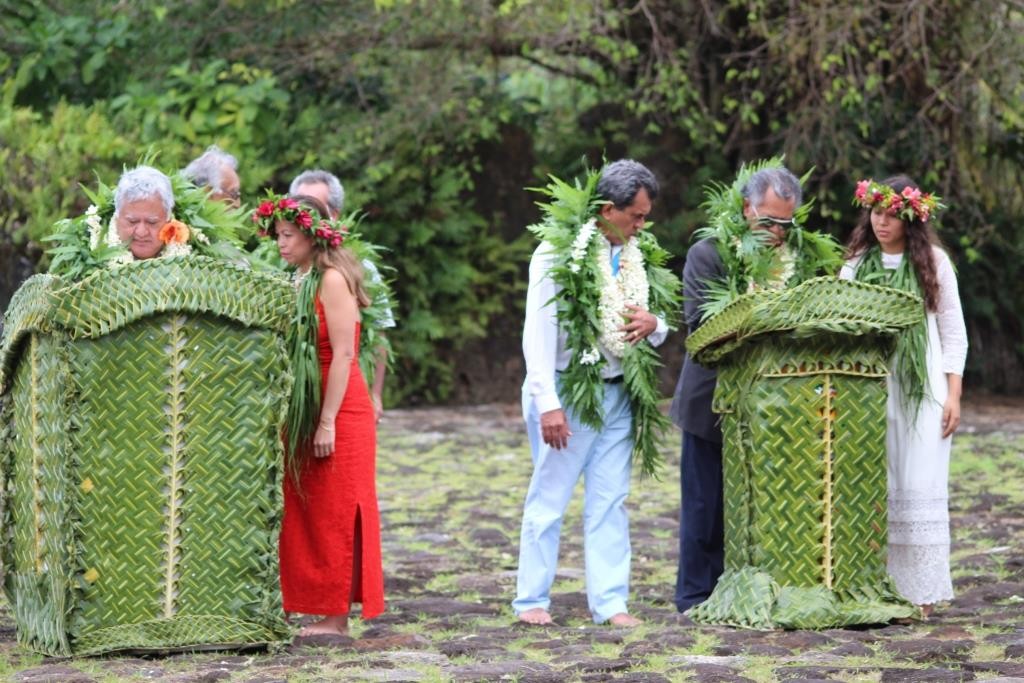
(451, 484)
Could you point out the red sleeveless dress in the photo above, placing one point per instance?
(337, 496)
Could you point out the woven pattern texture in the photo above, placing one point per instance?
(822, 305)
(142, 459)
(803, 417)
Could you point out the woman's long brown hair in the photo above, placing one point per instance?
(339, 258)
(920, 238)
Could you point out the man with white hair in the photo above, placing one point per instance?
(143, 202)
(217, 170)
(326, 187)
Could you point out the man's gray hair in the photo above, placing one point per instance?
(143, 182)
(621, 180)
(780, 179)
(335, 192)
(208, 168)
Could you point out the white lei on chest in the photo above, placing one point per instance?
(630, 286)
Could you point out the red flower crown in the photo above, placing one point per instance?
(908, 205)
(325, 233)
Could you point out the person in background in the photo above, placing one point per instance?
(216, 170)
(326, 187)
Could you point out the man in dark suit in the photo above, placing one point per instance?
(769, 199)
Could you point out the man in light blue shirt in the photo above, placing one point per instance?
(562, 447)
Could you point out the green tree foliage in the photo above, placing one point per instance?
(437, 114)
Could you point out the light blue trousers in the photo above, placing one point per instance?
(603, 458)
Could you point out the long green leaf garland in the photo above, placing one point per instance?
(911, 357)
(571, 206)
(304, 402)
(373, 342)
(747, 255)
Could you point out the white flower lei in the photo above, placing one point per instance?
(581, 243)
(92, 219)
(783, 268)
(630, 286)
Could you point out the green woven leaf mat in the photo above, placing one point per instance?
(749, 598)
(178, 633)
(804, 467)
(110, 299)
(820, 305)
(141, 458)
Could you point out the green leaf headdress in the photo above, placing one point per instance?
(89, 242)
(750, 261)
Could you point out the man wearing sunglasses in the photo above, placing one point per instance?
(769, 199)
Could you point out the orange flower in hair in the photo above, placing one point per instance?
(173, 232)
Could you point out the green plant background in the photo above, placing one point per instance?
(437, 115)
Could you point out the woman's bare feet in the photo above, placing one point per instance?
(926, 610)
(537, 616)
(624, 620)
(336, 625)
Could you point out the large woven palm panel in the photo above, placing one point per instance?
(787, 473)
(178, 494)
(801, 388)
(860, 490)
(36, 574)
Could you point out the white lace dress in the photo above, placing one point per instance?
(919, 456)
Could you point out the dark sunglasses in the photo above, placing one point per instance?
(768, 221)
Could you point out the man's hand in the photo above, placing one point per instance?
(554, 429)
(640, 325)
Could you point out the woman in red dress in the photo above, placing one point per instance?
(330, 536)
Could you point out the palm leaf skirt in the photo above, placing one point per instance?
(802, 394)
(141, 457)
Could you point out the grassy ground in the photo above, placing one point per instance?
(451, 486)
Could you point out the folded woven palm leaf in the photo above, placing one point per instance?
(141, 457)
(802, 393)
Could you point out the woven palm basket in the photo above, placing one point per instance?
(141, 458)
(802, 394)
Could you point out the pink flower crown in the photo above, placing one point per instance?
(908, 205)
(325, 233)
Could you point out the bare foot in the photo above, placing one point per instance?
(537, 616)
(336, 625)
(926, 610)
(624, 620)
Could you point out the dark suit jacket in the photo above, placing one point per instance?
(691, 404)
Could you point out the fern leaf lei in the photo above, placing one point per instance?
(577, 245)
(750, 261)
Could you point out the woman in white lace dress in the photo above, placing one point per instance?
(893, 244)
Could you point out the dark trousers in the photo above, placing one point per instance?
(701, 543)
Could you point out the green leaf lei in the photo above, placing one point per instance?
(910, 366)
(74, 257)
(304, 401)
(571, 207)
(749, 259)
(373, 342)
